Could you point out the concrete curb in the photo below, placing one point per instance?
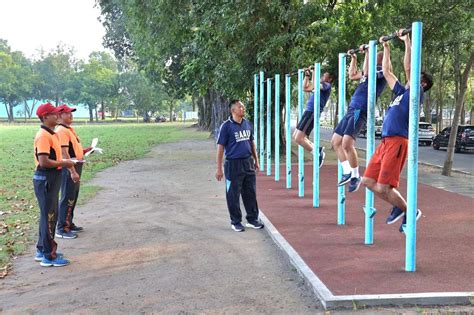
(330, 301)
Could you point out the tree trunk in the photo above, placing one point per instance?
(96, 116)
(103, 111)
(440, 100)
(11, 117)
(472, 115)
(462, 84)
(7, 108)
(91, 113)
(171, 104)
(428, 108)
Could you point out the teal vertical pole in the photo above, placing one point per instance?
(262, 126)
(288, 129)
(277, 127)
(300, 148)
(412, 167)
(341, 198)
(369, 195)
(269, 127)
(255, 110)
(316, 132)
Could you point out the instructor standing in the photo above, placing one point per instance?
(236, 140)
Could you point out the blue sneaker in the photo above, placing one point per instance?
(322, 155)
(254, 225)
(404, 222)
(67, 235)
(396, 214)
(344, 179)
(238, 227)
(355, 184)
(58, 262)
(39, 255)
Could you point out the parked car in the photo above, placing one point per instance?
(378, 130)
(464, 139)
(160, 119)
(425, 133)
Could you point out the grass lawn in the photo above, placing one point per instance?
(18, 207)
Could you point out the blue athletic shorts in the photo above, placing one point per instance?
(351, 123)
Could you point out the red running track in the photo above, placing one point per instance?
(337, 254)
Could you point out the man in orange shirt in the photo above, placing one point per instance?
(46, 182)
(70, 183)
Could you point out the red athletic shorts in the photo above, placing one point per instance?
(388, 160)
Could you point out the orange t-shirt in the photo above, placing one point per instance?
(69, 139)
(47, 143)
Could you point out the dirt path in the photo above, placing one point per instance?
(158, 240)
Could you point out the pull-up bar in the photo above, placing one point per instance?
(384, 39)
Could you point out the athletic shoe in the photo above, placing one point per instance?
(254, 225)
(67, 235)
(238, 227)
(396, 214)
(322, 155)
(355, 184)
(344, 179)
(404, 222)
(39, 255)
(75, 228)
(58, 262)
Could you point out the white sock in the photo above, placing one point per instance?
(355, 172)
(346, 167)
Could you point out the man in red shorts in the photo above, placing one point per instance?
(382, 175)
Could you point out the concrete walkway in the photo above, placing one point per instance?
(157, 240)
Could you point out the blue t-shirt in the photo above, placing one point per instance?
(359, 99)
(396, 118)
(323, 99)
(236, 138)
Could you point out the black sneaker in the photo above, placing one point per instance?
(238, 227)
(404, 222)
(344, 179)
(66, 235)
(254, 225)
(396, 214)
(75, 228)
(355, 184)
(322, 155)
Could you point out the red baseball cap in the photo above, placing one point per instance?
(66, 109)
(47, 108)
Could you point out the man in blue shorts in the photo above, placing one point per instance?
(343, 139)
(306, 124)
(241, 162)
(382, 175)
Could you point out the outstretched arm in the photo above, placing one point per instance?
(307, 83)
(366, 60)
(353, 73)
(407, 57)
(387, 66)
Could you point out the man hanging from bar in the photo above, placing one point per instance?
(382, 175)
(344, 137)
(306, 124)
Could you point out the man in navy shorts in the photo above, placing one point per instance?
(306, 124)
(382, 175)
(343, 139)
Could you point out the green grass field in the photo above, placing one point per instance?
(18, 208)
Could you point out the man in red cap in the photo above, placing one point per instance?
(46, 182)
(70, 179)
